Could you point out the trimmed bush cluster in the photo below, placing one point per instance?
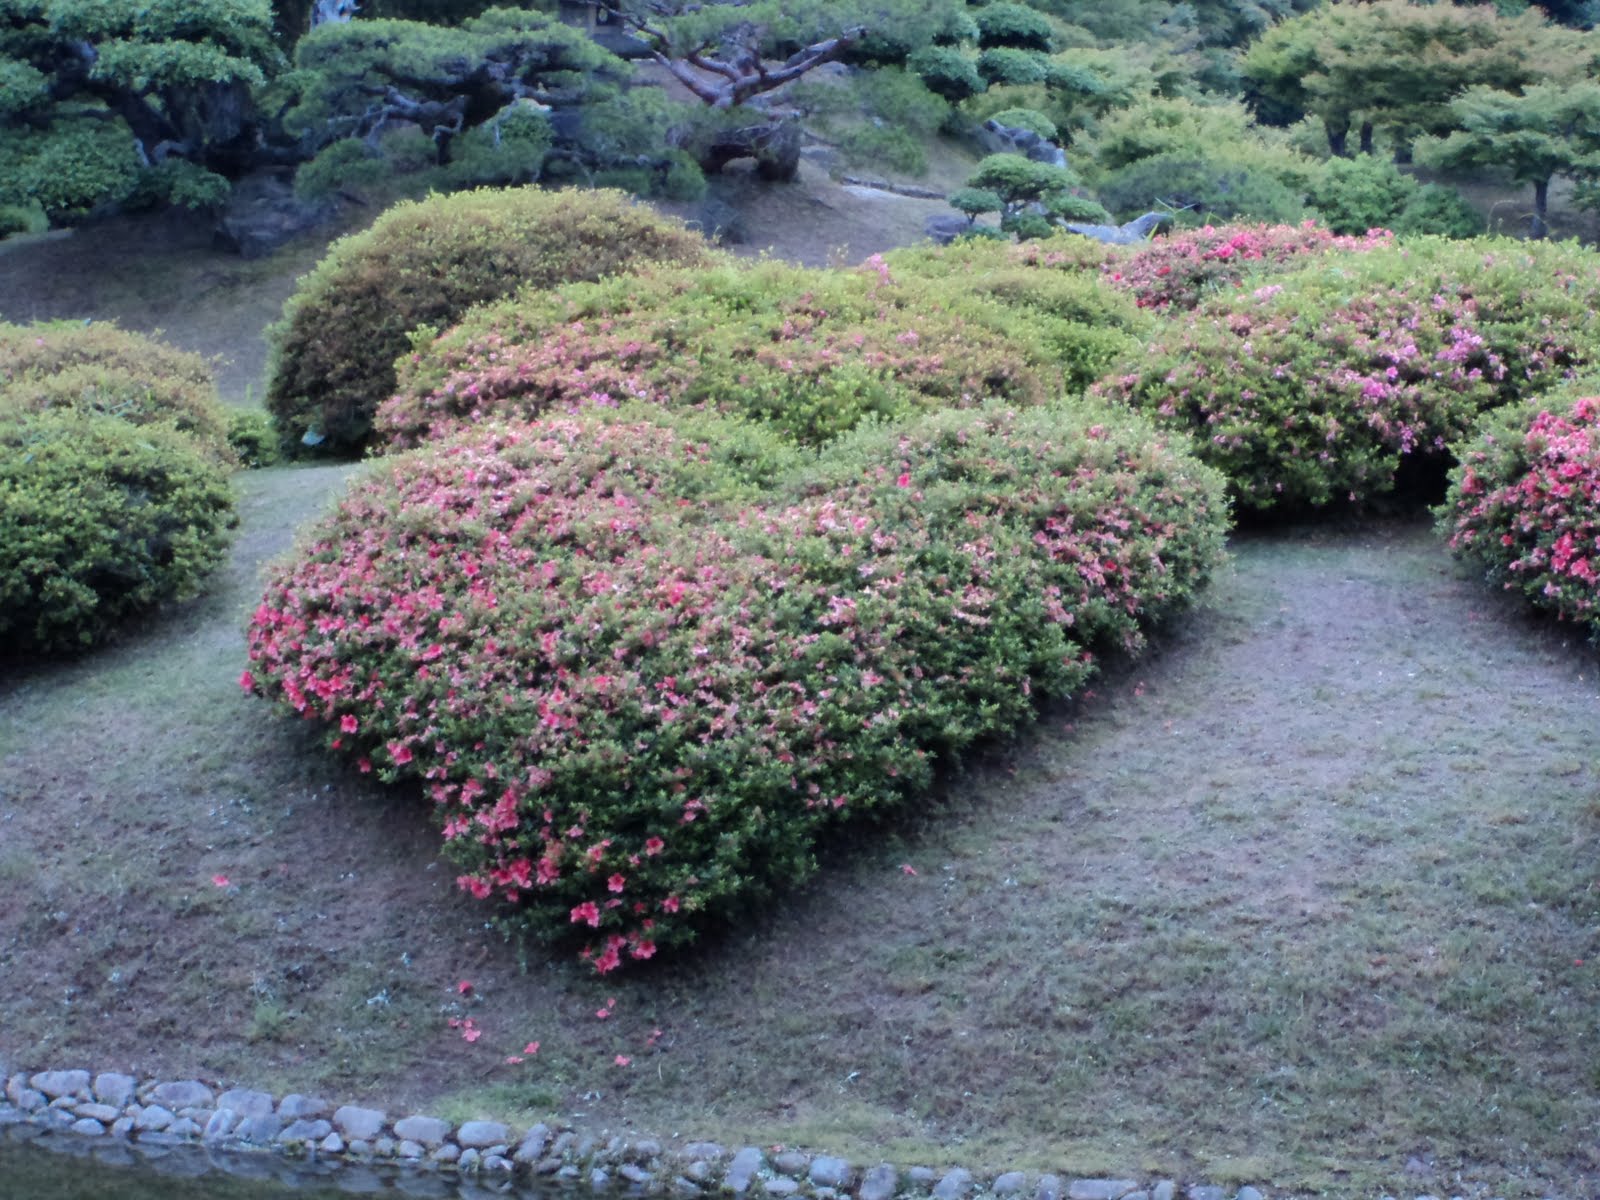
(96, 367)
(641, 669)
(424, 263)
(812, 353)
(1315, 387)
(114, 493)
(1524, 503)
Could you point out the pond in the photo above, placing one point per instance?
(60, 1167)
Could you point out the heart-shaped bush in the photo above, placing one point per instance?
(640, 668)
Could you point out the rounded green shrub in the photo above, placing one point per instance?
(1006, 65)
(947, 72)
(425, 263)
(638, 674)
(811, 353)
(100, 520)
(96, 367)
(1007, 24)
(1524, 503)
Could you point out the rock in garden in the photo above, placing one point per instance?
(780, 1185)
(88, 1127)
(599, 1181)
(531, 1149)
(114, 1089)
(447, 1153)
(880, 1183)
(1249, 1193)
(634, 1174)
(258, 1131)
(184, 1127)
(153, 1117)
(1009, 1184)
(220, 1125)
(742, 1170)
(482, 1134)
(247, 1103)
(1049, 1188)
(955, 1185)
(790, 1162)
(922, 1177)
(104, 1113)
(304, 1131)
(332, 1144)
(645, 1150)
(409, 1148)
(1165, 1190)
(829, 1172)
(709, 1151)
(55, 1084)
(360, 1123)
(430, 1132)
(1205, 1191)
(294, 1107)
(186, 1093)
(1101, 1189)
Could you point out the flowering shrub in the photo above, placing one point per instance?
(97, 367)
(1524, 502)
(1179, 271)
(811, 353)
(1302, 399)
(639, 669)
(100, 519)
(425, 263)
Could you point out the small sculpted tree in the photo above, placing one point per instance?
(99, 100)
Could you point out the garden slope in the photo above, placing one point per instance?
(1292, 899)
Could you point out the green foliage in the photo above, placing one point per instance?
(93, 90)
(22, 218)
(99, 520)
(1362, 193)
(643, 685)
(1436, 209)
(1007, 65)
(1200, 190)
(1548, 130)
(1020, 180)
(883, 117)
(808, 353)
(426, 263)
(1007, 24)
(253, 437)
(73, 168)
(98, 368)
(946, 72)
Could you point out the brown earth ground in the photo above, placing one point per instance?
(1306, 897)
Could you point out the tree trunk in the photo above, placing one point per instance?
(1366, 137)
(1338, 136)
(1541, 208)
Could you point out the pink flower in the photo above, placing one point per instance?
(348, 723)
(587, 913)
(616, 883)
(622, 1060)
(247, 681)
(220, 881)
(531, 1048)
(463, 988)
(907, 869)
(904, 480)
(513, 1059)
(654, 845)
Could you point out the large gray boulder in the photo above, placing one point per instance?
(1129, 234)
(1015, 139)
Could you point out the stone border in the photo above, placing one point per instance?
(364, 1150)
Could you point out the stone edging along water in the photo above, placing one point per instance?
(365, 1150)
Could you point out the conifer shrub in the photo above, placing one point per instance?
(1524, 504)
(424, 263)
(96, 367)
(639, 669)
(100, 519)
(811, 353)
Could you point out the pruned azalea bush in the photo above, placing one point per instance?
(811, 353)
(100, 519)
(639, 669)
(96, 367)
(1316, 387)
(1524, 503)
(424, 263)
